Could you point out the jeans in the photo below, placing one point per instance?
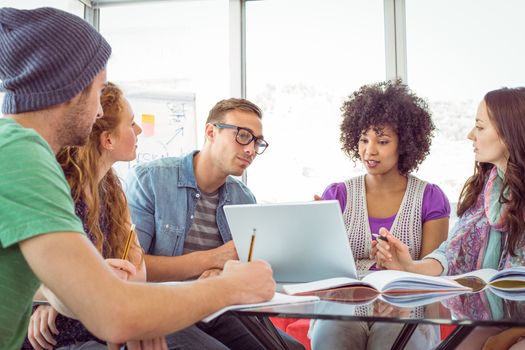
(355, 335)
(225, 332)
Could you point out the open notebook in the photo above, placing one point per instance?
(507, 281)
(395, 286)
(278, 299)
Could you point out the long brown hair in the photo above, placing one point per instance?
(80, 166)
(506, 110)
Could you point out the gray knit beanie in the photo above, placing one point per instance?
(47, 57)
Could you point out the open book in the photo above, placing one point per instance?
(278, 299)
(392, 285)
(510, 280)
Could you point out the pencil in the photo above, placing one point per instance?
(128, 243)
(250, 252)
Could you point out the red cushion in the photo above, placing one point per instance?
(294, 327)
(281, 322)
(299, 330)
(446, 329)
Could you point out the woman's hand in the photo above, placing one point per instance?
(392, 253)
(42, 327)
(373, 254)
(123, 269)
(158, 343)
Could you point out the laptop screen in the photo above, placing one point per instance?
(303, 242)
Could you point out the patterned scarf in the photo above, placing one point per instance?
(468, 240)
(472, 306)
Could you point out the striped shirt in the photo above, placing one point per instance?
(204, 234)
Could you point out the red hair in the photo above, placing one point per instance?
(105, 195)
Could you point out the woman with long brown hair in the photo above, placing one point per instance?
(101, 204)
(491, 228)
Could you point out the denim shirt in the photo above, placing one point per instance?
(162, 196)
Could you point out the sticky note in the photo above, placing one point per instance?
(148, 124)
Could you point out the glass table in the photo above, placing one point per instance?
(466, 311)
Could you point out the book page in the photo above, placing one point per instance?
(177, 283)
(509, 294)
(513, 284)
(484, 274)
(511, 279)
(328, 283)
(278, 299)
(517, 273)
(415, 300)
(392, 281)
(353, 294)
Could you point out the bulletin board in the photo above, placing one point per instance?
(168, 127)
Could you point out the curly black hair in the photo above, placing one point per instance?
(389, 103)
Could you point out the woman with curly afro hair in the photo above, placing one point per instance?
(389, 129)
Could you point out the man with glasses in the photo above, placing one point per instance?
(177, 205)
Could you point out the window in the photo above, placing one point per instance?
(169, 47)
(301, 65)
(456, 52)
(171, 59)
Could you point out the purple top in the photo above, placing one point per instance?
(435, 205)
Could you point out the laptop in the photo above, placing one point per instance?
(303, 242)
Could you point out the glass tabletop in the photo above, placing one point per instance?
(483, 308)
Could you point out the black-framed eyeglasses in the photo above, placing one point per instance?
(245, 136)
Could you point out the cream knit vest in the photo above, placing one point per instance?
(407, 225)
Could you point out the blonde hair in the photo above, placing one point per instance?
(79, 164)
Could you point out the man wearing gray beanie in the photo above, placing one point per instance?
(52, 69)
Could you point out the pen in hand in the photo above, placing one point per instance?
(250, 252)
(377, 236)
(128, 243)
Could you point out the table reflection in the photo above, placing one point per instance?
(483, 307)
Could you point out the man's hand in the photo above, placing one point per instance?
(210, 273)
(42, 327)
(221, 254)
(250, 282)
(122, 268)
